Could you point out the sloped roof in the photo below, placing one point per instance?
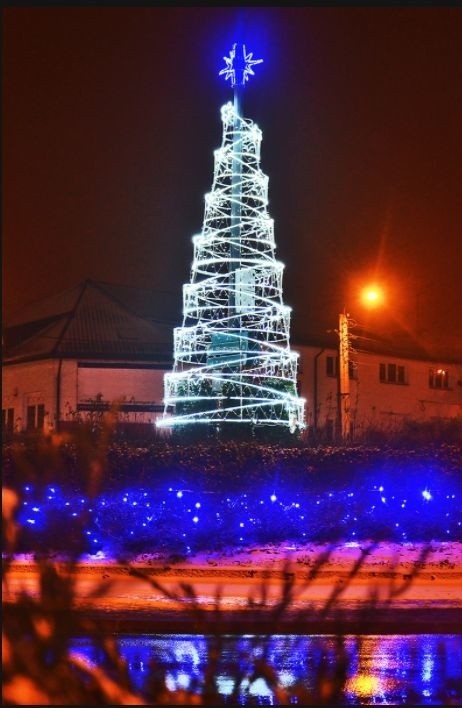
(93, 320)
(46, 308)
(104, 320)
(399, 344)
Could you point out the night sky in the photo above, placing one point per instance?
(111, 116)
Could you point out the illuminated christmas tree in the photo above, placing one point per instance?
(232, 357)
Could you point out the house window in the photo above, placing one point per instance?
(331, 366)
(352, 370)
(393, 373)
(438, 378)
(329, 430)
(35, 416)
(7, 420)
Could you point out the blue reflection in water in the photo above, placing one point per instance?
(398, 669)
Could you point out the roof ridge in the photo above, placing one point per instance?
(131, 311)
(13, 316)
(51, 322)
(71, 316)
(129, 286)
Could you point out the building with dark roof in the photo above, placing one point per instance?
(99, 346)
(84, 350)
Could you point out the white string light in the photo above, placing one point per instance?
(232, 357)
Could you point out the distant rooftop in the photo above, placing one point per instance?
(93, 319)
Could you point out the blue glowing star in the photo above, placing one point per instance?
(239, 66)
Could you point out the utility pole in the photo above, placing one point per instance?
(344, 378)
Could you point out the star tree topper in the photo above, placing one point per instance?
(239, 67)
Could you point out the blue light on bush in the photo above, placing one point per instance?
(153, 517)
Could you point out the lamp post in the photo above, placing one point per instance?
(371, 296)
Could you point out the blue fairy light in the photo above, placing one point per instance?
(237, 516)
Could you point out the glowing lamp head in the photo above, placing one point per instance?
(372, 296)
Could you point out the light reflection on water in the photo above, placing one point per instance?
(397, 669)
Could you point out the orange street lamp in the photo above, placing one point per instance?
(371, 296)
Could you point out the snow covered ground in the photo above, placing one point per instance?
(435, 570)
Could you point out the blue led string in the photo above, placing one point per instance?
(183, 518)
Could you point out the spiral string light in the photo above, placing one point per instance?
(232, 356)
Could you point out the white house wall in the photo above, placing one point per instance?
(373, 404)
(136, 388)
(36, 383)
(26, 384)
(388, 404)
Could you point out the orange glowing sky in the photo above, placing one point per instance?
(111, 116)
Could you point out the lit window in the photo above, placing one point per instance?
(438, 378)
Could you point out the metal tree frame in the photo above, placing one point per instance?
(232, 357)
